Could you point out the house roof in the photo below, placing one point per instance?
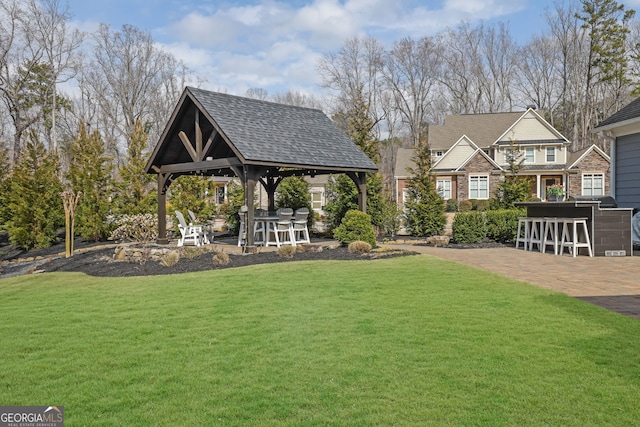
(628, 113)
(482, 129)
(254, 132)
(404, 161)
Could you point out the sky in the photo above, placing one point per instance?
(276, 44)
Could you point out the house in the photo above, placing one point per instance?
(623, 129)
(471, 154)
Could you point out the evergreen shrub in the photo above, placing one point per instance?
(502, 224)
(469, 227)
(452, 205)
(355, 225)
(464, 206)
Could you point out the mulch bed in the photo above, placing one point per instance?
(97, 260)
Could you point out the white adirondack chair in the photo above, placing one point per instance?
(188, 233)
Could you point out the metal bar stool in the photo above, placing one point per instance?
(572, 230)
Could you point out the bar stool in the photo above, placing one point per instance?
(535, 235)
(571, 232)
(551, 236)
(524, 224)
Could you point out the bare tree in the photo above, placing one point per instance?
(411, 72)
(61, 46)
(571, 45)
(539, 74)
(258, 93)
(354, 74)
(462, 67)
(129, 78)
(298, 99)
(19, 61)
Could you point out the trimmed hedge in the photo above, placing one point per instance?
(502, 224)
(469, 227)
(496, 225)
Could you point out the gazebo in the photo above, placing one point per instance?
(216, 134)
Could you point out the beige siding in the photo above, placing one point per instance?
(456, 156)
(529, 128)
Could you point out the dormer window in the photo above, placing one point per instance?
(551, 154)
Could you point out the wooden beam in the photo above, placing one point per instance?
(209, 142)
(187, 144)
(206, 165)
(198, 138)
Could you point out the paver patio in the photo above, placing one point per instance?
(610, 282)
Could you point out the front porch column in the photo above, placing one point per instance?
(538, 187)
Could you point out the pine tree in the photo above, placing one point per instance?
(513, 187)
(343, 194)
(424, 210)
(34, 201)
(190, 193)
(136, 190)
(90, 174)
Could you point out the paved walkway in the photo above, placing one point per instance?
(610, 282)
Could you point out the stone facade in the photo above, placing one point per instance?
(478, 165)
(592, 163)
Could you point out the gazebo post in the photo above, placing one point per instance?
(250, 178)
(360, 179)
(162, 208)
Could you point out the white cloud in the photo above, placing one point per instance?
(276, 44)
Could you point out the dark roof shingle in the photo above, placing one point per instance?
(628, 112)
(264, 131)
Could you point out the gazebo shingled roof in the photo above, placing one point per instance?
(216, 134)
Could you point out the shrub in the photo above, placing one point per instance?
(286, 251)
(482, 205)
(359, 247)
(469, 227)
(220, 258)
(136, 228)
(452, 205)
(502, 224)
(170, 259)
(356, 225)
(464, 206)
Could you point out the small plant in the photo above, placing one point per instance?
(193, 252)
(286, 251)
(355, 225)
(135, 228)
(221, 258)
(555, 190)
(359, 247)
(464, 206)
(170, 259)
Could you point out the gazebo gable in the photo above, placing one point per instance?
(193, 143)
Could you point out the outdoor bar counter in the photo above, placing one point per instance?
(609, 227)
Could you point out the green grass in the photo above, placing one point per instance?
(404, 341)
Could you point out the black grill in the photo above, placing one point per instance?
(605, 201)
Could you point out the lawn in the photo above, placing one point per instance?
(404, 341)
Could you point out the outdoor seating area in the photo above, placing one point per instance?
(283, 227)
(561, 234)
(193, 233)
